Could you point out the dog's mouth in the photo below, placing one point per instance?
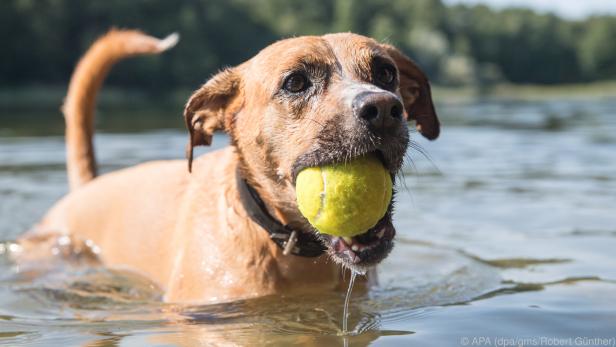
(322, 160)
(364, 250)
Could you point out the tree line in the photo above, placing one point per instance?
(456, 45)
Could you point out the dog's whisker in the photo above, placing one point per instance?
(411, 162)
(417, 147)
(401, 178)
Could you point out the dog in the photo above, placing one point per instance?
(226, 226)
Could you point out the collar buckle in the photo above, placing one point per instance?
(289, 240)
(289, 246)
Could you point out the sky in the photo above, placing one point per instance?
(571, 9)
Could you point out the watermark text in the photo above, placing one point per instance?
(541, 341)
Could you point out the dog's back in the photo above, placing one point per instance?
(112, 209)
(156, 218)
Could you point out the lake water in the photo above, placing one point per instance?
(506, 236)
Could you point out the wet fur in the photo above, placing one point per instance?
(188, 232)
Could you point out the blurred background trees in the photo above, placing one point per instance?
(457, 45)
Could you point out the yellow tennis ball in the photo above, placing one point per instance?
(344, 199)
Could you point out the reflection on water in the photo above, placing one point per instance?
(506, 228)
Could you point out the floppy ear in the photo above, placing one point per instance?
(207, 110)
(415, 91)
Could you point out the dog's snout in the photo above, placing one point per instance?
(381, 109)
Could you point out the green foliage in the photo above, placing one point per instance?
(597, 48)
(457, 45)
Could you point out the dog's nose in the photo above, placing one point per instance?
(379, 108)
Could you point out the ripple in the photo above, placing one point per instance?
(520, 263)
(588, 232)
(482, 268)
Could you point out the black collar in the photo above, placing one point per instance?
(299, 243)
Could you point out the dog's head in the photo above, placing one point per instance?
(310, 101)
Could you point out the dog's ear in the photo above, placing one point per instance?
(416, 95)
(207, 110)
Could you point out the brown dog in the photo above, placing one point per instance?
(218, 233)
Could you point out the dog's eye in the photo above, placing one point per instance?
(296, 83)
(385, 74)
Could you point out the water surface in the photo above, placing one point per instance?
(506, 229)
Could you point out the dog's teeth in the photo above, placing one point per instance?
(355, 248)
(380, 234)
(348, 240)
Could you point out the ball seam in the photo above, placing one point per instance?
(322, 195)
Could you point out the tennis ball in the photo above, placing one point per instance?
(344, 199)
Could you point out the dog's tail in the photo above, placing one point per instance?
(87, 79)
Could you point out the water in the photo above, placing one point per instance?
(347, 299)
(507, 230)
